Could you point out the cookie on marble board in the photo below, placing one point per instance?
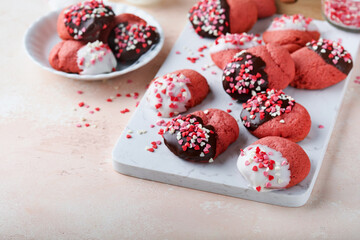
(176, 92)
(73, 56)
(201, 136)
(213, 18)
(273, 163)
(291, 32)
(257, 69)
(273, 113)
(266, 8)
(130, 37)
(321, 64)
(84, 21)
(226, 46)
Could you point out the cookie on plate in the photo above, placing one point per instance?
(321, 64)
(226, 46)
(213, 18)
(273, 113)
(84, 21)
(257, 69)
(291, 32)
(84, 58)
(130, 37)
(266, 8)
(176, 92)
(201, 136)
(273, 163)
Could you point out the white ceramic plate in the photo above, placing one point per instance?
(42, 36)
(222, 176)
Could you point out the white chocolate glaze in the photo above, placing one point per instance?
(169, 94)
(95, 58)
(268, 177)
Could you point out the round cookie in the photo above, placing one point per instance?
(131, 37)
(84, 21)
(321, 64)
(256, 69)
(266, 8)
(176, 92)
(84, 58)
(213, 18)
(291, 32)
(202, 135)
(273, 113)
(226, 46)
(273, 163)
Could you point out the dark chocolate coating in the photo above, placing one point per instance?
(258, 68)
(341, 65)
(256, 122)
(198, 27)
(123, 49)
(93, 26)
(191, 154)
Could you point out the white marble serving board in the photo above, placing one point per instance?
(131, 158)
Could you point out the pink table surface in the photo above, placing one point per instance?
(57, 180)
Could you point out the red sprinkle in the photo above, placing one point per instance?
(109, 100)
(228, 110)
(128, 136)
(125, 111)
(97, 109)
(118, 95)
(321, 126)
(81, 104)
(258, 188)
(80, 92)
(87, 125)
(150, 149)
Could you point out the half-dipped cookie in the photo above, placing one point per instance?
(84, 58)
(84, 21)
(257, 69)
(291, 32)
(213, 18)
(273, 163)
(201, 136)
(131, 37)
(176, 92)
(321, 64)
(226, 46)
(273, 113)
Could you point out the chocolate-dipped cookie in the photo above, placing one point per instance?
(201, 136)
(273, 113)
(84, 21)
(131, 37)
(176, 92)
(273, 163)
(83, 58)
(256, 69)
(291, 32)
(213, 18)
(321, 64)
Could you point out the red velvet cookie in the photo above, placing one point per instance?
(291, 32)
(84, 21)
(176, 92)
(226, 46)
(202, 135)
(273, 163)
(130, 37)
(266, 8)
(213, 18)
(84, 58)
(321, 64)
(273, 113)
(256, 69)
